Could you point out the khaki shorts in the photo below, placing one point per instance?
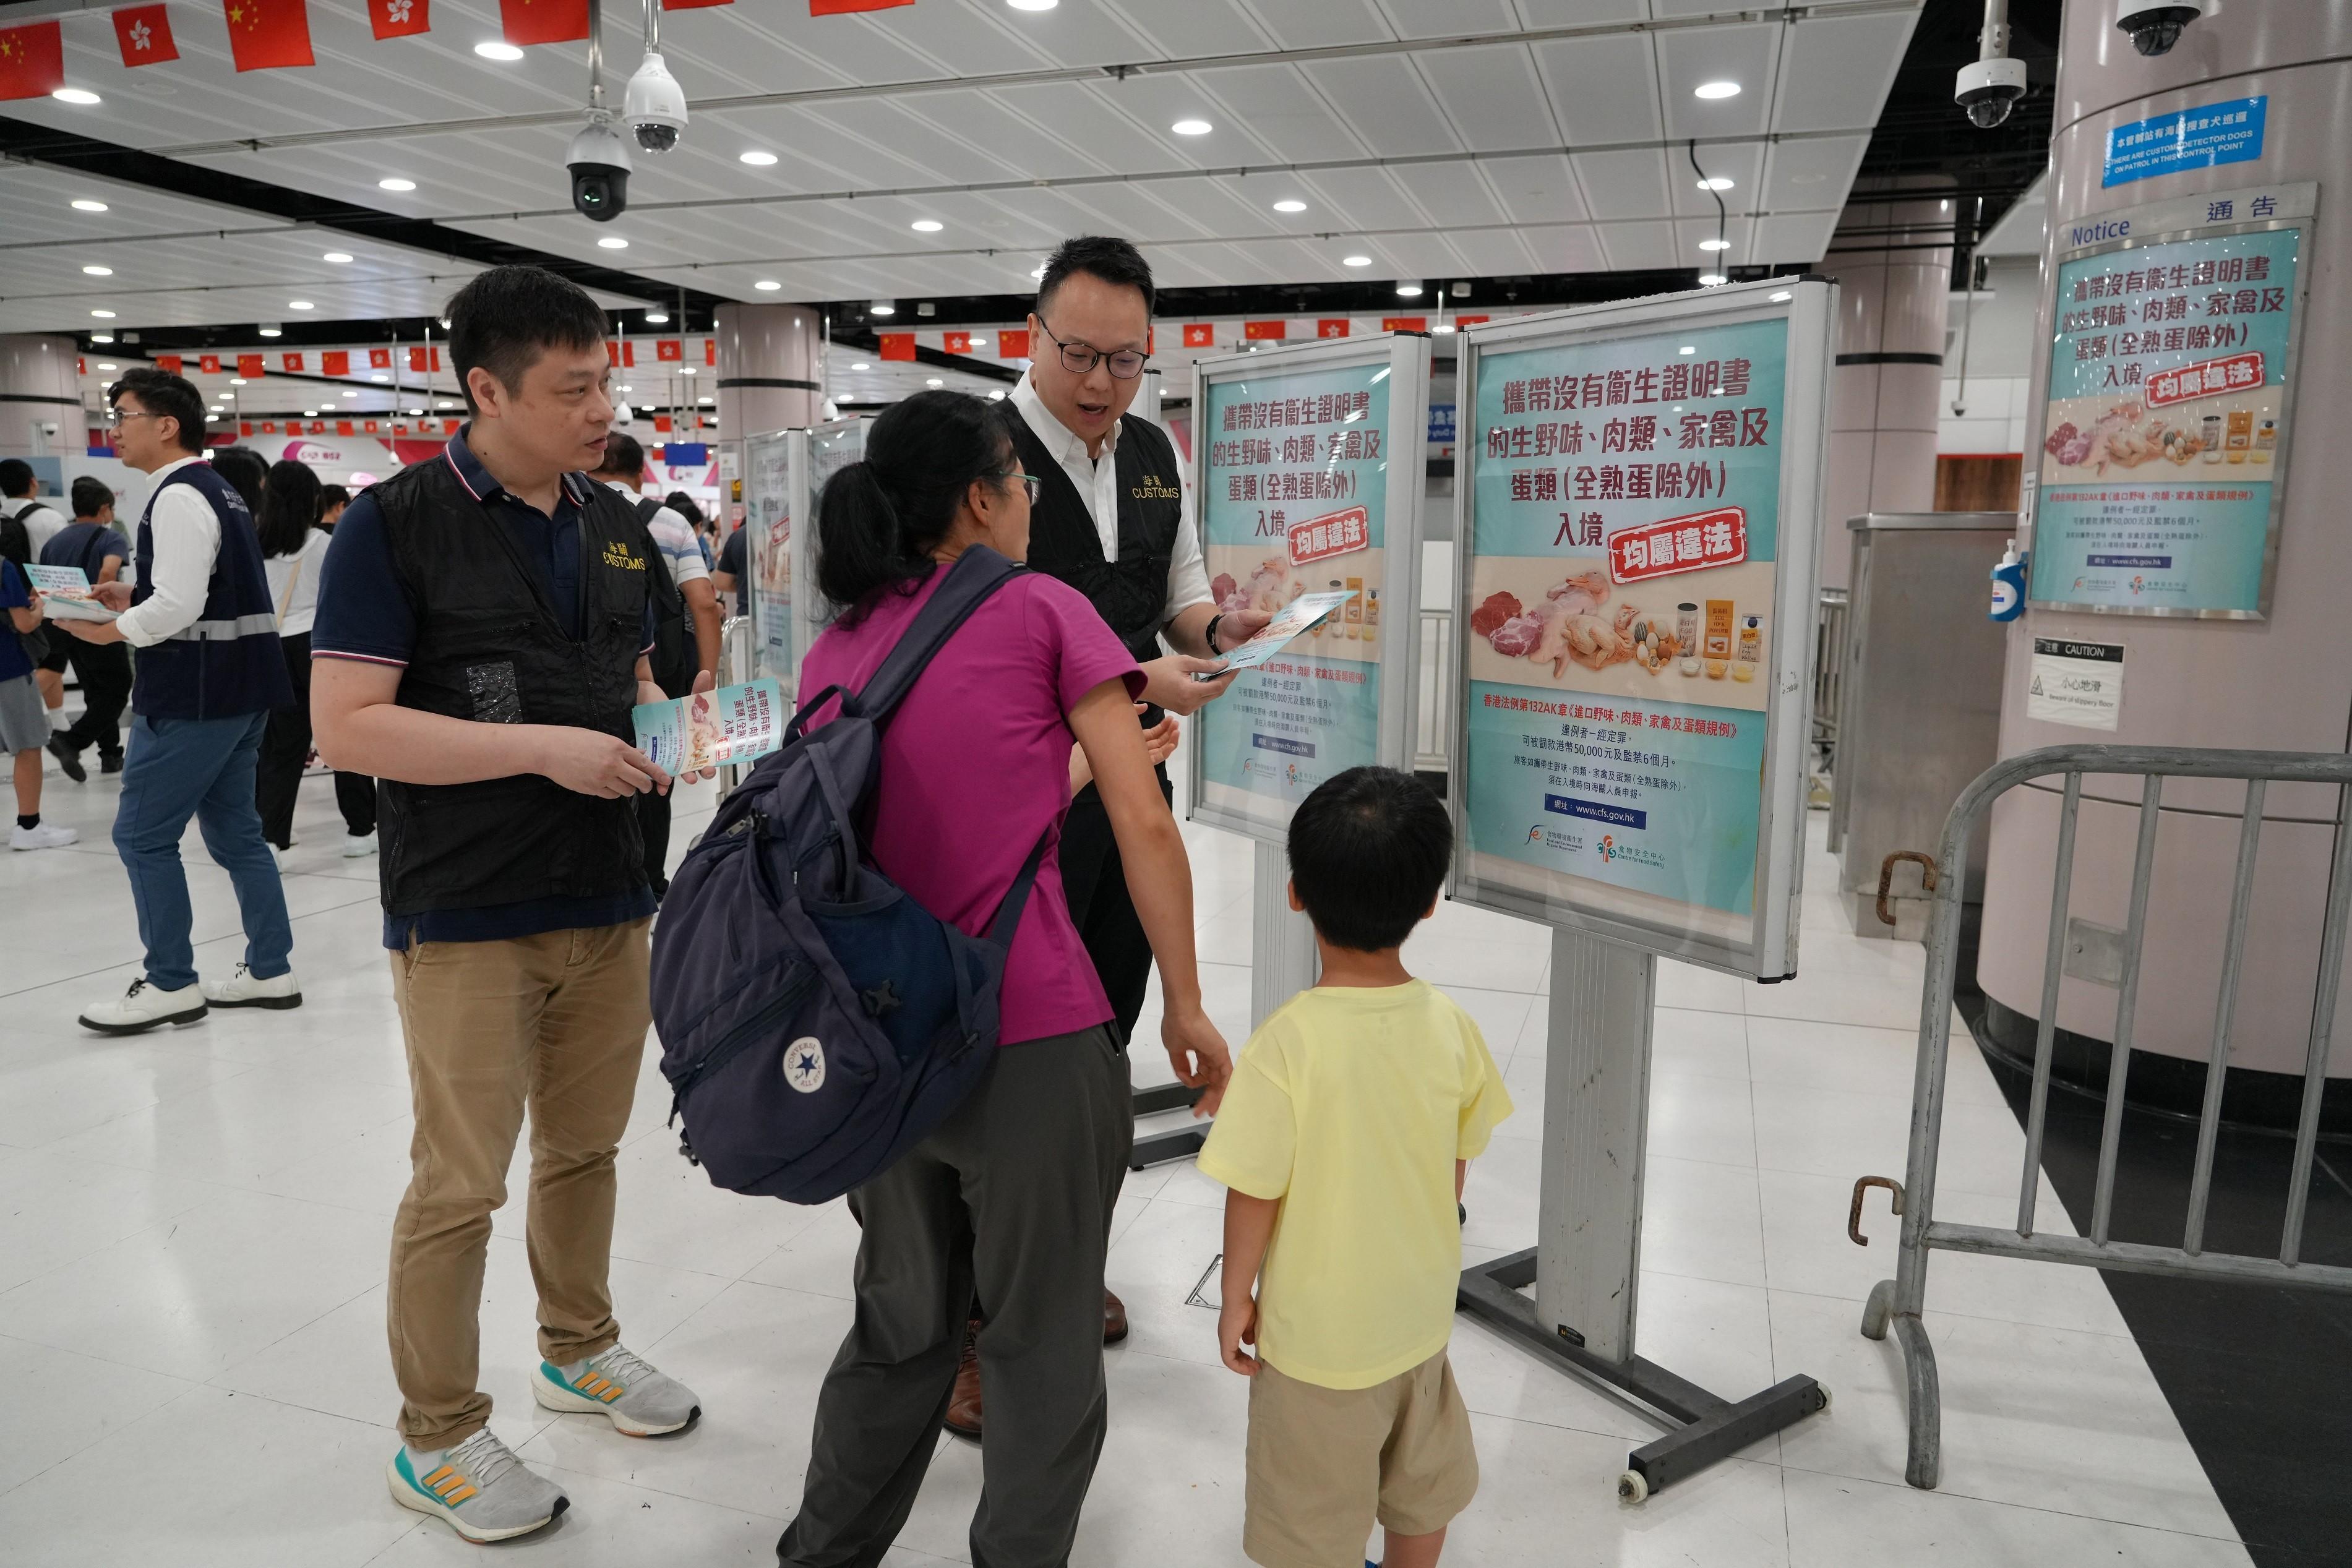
(1325, 1464)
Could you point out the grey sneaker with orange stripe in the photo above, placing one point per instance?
(620, 1385)
(477, 1486)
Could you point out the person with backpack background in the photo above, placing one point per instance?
(1007, 1204)
(685, 627)
(26, 524)
(294, 554)
(92, 543)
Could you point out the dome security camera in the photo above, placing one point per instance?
(1988, 90)
(2153, 25)
(623, 414)
(599, 162)
(654, 105)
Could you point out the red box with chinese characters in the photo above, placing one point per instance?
(1341, 533)
(1693, 543)
(2234, 372)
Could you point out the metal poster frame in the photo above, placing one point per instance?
(1770, 951)
(1406, 356)
(2305, 194)
(824, 450)
(753, 448)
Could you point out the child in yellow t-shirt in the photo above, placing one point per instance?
(1343, 1138)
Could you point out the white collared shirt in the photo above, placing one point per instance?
(186, 537)
(1097, 482)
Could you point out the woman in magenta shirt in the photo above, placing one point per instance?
(1005, 1211)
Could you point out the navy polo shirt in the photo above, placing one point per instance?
(364, 616)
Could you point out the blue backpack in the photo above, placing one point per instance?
(815, 1021)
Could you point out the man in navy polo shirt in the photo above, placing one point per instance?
(481, 636)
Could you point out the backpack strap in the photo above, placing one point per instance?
(1008, 914)
(977, 574)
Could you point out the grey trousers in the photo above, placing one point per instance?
(1006, 1208)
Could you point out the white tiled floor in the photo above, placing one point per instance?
(192, 1226)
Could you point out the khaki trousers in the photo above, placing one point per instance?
(555, 1023)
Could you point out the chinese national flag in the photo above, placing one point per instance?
(251, 367)
(956, 342)
(400, 18)
(543, 21)
(448, 427)
(244, 427)
(293, 363)
(209, 364)
(32, 61)
(265, 34)
(1201, 335)
(710, 351)
(145, 34)
(1404, 323)
(335, 362)
(1462, 322)
(168, 363)
(897, 345)
(1012, 344)
(843, 8)
(418, 359)
(343, 427)
(661, 424)
(1263, 331)
(666, 349)
(379, 359)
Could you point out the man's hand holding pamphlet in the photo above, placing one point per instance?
(65, 594)
(710, 729)
(1292, 620)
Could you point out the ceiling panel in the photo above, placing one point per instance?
(1366, 199)
(1632, 246)
(1491, 253)
(1084, 116)
(1836, 73)
(1447, 18)
(1581, 13)
(1624, 185)
(1689, 57)
(1602, 89)
(1796, 236)
(1566, 248)
(1273, 106)
(1384, 100)
(1537, 190)
(1196, 28)
(1493, 96)
(1452, 194)
(1315, 23)
(1813, 174)
(1741, 163)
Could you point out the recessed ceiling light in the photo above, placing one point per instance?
(1038, 272)
(1715, 245)
(273, 331)
(103, 315)
(1783, 298)
(1441, 330)
(1408, 290)
(99, 271)
(236, 380)
(395, 184)
(756, 157)
(212, 419)
(338, 256)
(881, 308)
(861, 365)
(80, 95)
(1356, 261)
(443, 402)
(1714, 182)
(927, 225)
(493, 49)
(1709, 279)
(767, 285)
(934, 381)
(106, 365)
(628, 389)
(1290, 204)
(612, 242)
(378, 380)
(1713, 89)
(299, 305)
(1033, 5)
(84, 205)
(686, 370)
(101, 337)
(352, 394)
(656, 318)
(1688, 349)
(310, 413)
(1192, 128)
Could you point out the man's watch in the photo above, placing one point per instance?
(1214, 621)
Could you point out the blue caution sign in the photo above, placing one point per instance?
(2201, 138)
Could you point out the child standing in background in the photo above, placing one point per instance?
(1343, 1139)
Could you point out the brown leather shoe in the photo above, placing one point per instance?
(963, 1405)
(1114, 1318)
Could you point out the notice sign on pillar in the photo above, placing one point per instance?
(1635, 631)
(2163, 438)
(1303, 486)
(769, 515)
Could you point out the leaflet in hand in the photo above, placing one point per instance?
(1292, 620)
(65, 594)
(710, 730)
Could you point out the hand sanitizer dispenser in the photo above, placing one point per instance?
(2009, 585)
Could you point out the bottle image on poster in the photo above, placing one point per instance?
(1620, 598)
(2166, 424)
(1295, 504)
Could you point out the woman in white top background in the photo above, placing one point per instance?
(293, 549)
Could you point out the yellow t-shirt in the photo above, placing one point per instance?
(1350, 1105)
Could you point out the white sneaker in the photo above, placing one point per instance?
(45, 836)
(622, 1386)
(242, 989)
(281, 856)
(144, 1006)
(357, 845)
(478, 1485)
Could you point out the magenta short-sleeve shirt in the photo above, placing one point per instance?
(976, 767)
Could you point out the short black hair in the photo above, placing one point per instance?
(91, 496)
(623, 454)
(507, 317)
(16, 477)
(161, 392)
(1115, 261)
(247, 474)
(330, 496)
(1369, 851)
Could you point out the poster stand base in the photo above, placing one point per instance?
(1706, 1426)
(1160, 1147)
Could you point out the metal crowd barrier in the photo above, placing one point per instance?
(1434, 715)
(1901, 1301)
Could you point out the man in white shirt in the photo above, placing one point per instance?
(209, 671)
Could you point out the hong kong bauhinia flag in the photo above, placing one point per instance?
(543, 21)
(144, 33)
(32, 61)
(400, 18)
(265, 34)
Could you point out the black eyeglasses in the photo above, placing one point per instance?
(1079, 360)
(1035, 485)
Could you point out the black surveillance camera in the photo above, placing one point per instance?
(599, 162)
(2155, 27)
(1988, 90)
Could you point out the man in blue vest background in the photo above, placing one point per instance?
(209, 671)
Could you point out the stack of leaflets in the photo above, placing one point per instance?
(65, 594)
(711, 729)
(1292, 620)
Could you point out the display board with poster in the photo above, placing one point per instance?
(768, 509)
(1641, 484)
(1303, 486)
(825, 451)
(2162, 447)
